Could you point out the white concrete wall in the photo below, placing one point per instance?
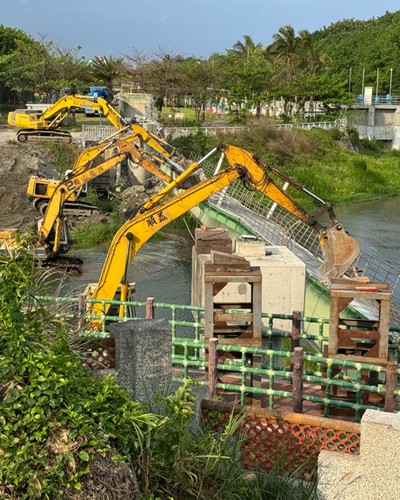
(283, 280)
(375, 473)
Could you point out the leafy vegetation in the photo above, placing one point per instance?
(334, 165)
(332, 65)
(60, 425)
(55, 415)
(62, 155)
(93, 234)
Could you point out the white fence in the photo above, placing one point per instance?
(185, 131)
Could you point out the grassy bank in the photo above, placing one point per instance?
(336, 166)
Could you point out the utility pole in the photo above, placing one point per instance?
(350, 71)
(363, 81)
(377, 86)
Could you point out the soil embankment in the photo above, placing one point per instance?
(17, 163)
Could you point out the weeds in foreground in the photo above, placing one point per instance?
(182, 460)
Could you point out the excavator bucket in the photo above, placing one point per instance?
(339, 251)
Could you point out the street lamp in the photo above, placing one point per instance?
(390, 81)
(377, 87)
(350, 71)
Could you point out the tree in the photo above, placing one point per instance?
(285, 43)
(246, 73)
(248, 49)
(159, 75)
(202, 82)
(43, 69)
(9, 41)
(107, 70)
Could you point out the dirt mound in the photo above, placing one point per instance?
(17, 163)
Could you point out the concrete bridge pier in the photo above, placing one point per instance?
(379, 122)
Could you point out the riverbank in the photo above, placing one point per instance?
(334, 165)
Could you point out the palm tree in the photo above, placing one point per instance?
(107, 70)
(247, 48)
(285, 43)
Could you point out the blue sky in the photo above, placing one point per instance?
(185, 27)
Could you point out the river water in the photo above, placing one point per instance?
(375, 225)
(162, 269)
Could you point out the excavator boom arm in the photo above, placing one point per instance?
(157, 213)
(87, 167)
(66, 188)
(136, 232)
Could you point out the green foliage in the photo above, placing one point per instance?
(91, 234)
(181, 461)
(326, 162)
(62, 155)
(196, 143)
(54, 414)
(56, 418)
(278, 485)
(363, 46)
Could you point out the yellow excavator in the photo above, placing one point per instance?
(40, 190)
(338, 248)
(55, 198)
(53, 238)
(44, 126)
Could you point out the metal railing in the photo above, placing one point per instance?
(276, 226)
(378, 99)
(210, 130)
(191, 357)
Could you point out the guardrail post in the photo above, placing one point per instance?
(296, 328)
(81, 308)
(391, 382)
(150, 308)
(212, 367)
(297, 378)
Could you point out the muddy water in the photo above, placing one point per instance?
(161, 269)
(375, 225)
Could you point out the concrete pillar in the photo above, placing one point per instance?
(143, 358)
(371, 475)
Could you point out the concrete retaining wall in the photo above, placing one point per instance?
(374, 473)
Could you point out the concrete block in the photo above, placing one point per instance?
(371, 475)
(335, 471)
(250, 248)
(143, 357)
(283, 282)
(380, 441)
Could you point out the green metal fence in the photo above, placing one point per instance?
(190, 357)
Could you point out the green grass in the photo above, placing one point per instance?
(326, 167)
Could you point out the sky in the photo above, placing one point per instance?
(178, 27)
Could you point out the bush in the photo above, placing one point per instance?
(55, 416)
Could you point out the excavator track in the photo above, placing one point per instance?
(75, 208)
(67, 264)
(27, 135)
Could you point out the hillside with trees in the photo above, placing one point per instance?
(363, 46)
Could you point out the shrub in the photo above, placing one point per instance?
(55, 416)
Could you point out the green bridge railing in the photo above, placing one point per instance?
(190, 356)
